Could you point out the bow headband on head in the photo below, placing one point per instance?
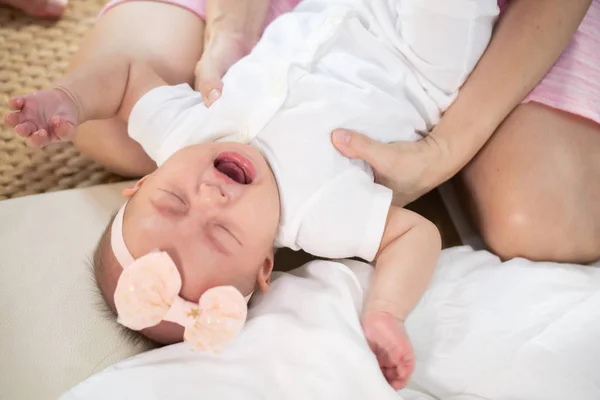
(148, 292)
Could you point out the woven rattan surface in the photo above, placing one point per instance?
(33, 54)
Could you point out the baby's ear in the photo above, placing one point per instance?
(131, 191)
(264, 273)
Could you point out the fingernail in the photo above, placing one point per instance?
(341, 136)
(56, 6)
(213, 95)
(58, 3)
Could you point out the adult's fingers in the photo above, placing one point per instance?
(209, 72)
(220, 53)
(356, 145)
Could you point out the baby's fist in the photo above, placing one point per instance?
(388, 340)
(43, 117)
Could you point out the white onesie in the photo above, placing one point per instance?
(386, 68)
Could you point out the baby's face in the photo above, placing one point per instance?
(215, 209)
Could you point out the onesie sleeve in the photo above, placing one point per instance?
(164, 120)
(345, 218)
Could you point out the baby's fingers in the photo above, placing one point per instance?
(12, 119)
(62, 129)
(400, 377)
(394, 378)
(25, 128)
(390, 373)
(39, 138)
(16, 103)
(397, 384)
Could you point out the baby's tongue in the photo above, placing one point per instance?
(233, 171)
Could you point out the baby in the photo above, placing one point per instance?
(257, 170)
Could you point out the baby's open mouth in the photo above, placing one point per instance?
(236, 167)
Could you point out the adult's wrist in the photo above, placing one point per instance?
(437, 162)
(459, 136)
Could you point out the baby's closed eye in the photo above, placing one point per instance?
(222, 232)
(168, 201)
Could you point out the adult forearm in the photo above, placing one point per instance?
(527, 41)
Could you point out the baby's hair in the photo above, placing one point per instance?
(102, 256)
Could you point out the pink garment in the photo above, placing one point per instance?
(277, 8)
(572, 85)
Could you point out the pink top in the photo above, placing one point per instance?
(573, 83)
(277, 8)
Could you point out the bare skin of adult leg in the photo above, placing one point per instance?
(534, 189)
(173, 53)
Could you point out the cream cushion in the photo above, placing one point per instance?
(52, 333)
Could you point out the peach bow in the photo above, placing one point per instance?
(148, 292)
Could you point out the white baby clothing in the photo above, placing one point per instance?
(386, 68)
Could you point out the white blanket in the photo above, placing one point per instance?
(484, 330)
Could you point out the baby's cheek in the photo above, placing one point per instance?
(261, 216)
(150, 225)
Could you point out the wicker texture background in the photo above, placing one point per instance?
(33, 54)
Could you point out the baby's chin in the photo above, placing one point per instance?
(164, 333)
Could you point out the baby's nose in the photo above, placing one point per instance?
(211, 195)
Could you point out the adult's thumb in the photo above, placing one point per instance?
(208, 80)
(355, 145)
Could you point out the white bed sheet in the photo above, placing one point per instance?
(484, 330)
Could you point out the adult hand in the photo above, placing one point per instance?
(233, 27)
(404, 167)
(221, 51)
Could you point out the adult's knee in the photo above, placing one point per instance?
(530, 199)
(510, 231)
(525, 229)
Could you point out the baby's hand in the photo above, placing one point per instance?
(388, 340)
(43, 117)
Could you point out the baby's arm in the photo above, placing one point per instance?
(407, 256)
(404, 265)
(97, 90)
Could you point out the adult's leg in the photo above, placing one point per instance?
(535, 186)
(169, 38)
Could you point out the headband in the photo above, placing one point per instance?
(148, 292)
